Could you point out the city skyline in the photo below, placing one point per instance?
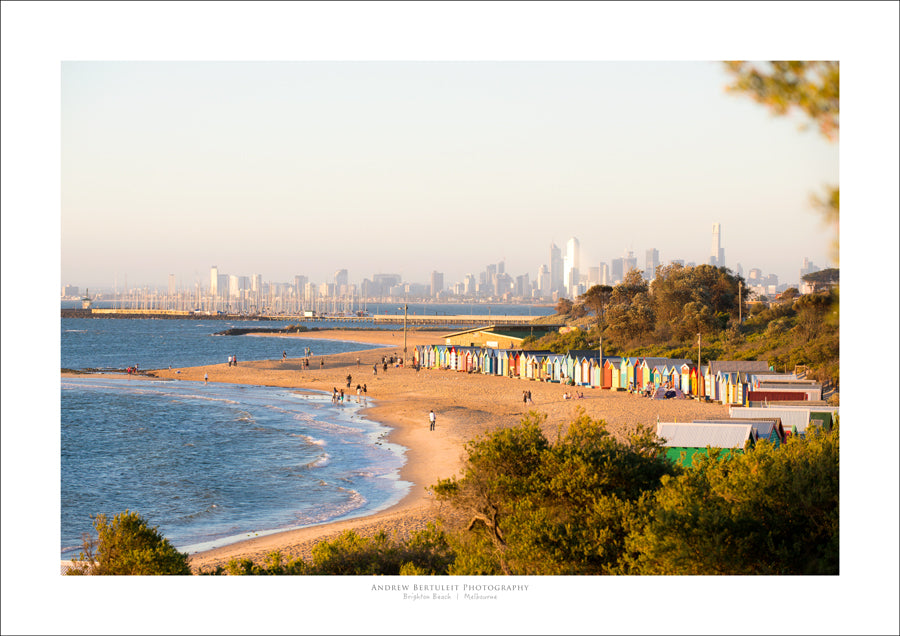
(406, 167)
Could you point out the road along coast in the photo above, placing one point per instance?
(466, 406)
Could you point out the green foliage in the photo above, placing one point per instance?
(768, 511)
(128, 545)
(541, 508)
(426, 552)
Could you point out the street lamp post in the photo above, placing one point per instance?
(405, 308)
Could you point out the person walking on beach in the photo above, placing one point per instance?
(365, 395)
(357, 363)
(529, 398)
(524, 397)
(349, 378)
(358, 393)
(205, 377)
(374, 369)
(234, 359)
(431, 419)
(229, 361)
(283, 356)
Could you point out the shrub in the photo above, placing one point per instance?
(128, 545)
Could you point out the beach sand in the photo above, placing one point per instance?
(466, 406)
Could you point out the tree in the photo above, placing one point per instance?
(823, 278)
(563, 306)
(128, 545)
(542, 508)
(596, 299)
(767, 511)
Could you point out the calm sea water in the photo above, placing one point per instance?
(211, 464)
(106, 343)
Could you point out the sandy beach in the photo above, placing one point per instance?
(466, 406)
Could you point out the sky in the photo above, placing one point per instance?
(284, 168)
(115, 164)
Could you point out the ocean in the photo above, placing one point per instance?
(210, 464)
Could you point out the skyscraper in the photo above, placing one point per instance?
(717, 252)
(437, 283)
(571, 265)
(651, 263)
(556, 269)
(629, 262)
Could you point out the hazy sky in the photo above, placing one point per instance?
(284, 168)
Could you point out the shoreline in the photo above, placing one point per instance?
(467, 406)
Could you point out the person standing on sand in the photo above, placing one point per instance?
(205, 377)
(357, 363)
(524, 397)
(374, 369)
(283, 356)
(358, 393)
(349, 379)
(234, 358)
(431, 419)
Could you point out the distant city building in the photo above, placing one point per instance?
(617, 275)
(593, 276)
(604, 274)
(651, 262)
(571, 266)
(341, 278)
(717, 252)
(545, 291)
(172, 287)
(556, 269)
(471, 285)
(629, 262)
(437, 283)
(70, 290)
(522, 287)
(214, 281)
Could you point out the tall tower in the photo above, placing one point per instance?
(571, 264)
(717, 253)
(651, 263)
(556, 269)
(437, 283)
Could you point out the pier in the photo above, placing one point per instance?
(373, 321)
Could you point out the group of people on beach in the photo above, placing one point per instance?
(338, 397)
(579, 395)
(232, 361)
(526, 397)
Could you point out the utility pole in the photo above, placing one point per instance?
(405, 308)
(740, 305)
(698, 365)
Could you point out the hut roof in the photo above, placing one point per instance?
(762, 426)
(728, 366)
(694, 435)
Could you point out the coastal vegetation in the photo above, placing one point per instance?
(584, 503)
(589, 504)
(127, 545)
(684, 308)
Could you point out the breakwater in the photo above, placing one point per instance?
(160, 315)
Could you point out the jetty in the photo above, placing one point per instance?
(374, 321)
